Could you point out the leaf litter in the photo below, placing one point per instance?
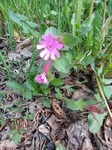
(50, 126)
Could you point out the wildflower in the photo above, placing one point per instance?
(42, 77)
(50, 46)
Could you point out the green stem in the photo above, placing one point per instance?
(103, 96)
(79, 11)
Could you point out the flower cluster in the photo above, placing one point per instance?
(50, 47)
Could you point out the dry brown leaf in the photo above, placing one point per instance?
(58, 110)
(17, 36)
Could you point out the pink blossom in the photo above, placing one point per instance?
(50, 46)
(41, 78)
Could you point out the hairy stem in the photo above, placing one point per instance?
(103, 96)
(79, 11)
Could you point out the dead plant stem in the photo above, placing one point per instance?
(104, 12)
(91, 8)
(103, 96)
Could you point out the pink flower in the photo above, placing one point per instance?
(50, 46)
(42, 77)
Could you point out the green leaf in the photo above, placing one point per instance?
(68, 88)
(22, 131)
(88, 60)
(25, 27)
(56, 82)
(35, 93)
(45, 90)
(84, 30)
(70, 40)
(107, 81)
(19, 16)
(80, 104)
(58, 93)
(31, 85)
(109, 7)
(90, 102)
(58, 96)
(47, 102)
(71, 104)
(16, 17)
(52, 31)
(95, 124)
(53, 12)
(88, 22)
(14, 85)
(98, 97)
(60, 147)
(16, 138)
(31, 24)
(31, 116)
(42, 28)
(108, 91)
(13, 131)
(62, 64)
(69, 57)
(27, 94)
(2, 122)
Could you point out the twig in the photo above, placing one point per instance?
(103, 96)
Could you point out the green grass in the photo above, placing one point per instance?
(54, 13)
(57, 13)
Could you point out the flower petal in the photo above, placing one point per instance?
(40, 46)
(52, 56)
(44, 37)
(59, 46)
(57, 53)
(47, 56)
(43, 53)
